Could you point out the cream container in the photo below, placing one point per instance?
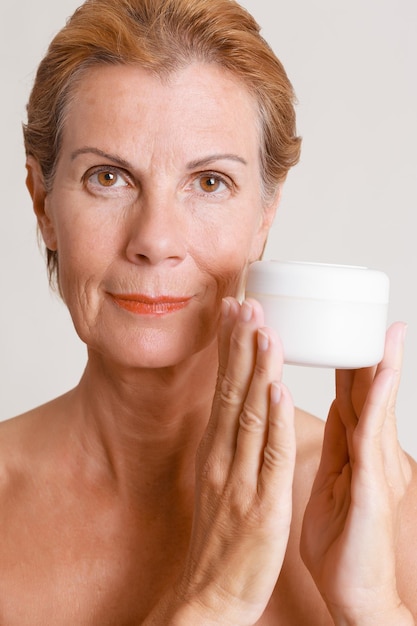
(326, 315)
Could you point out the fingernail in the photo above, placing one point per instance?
(225, 308)
(263, 340)
(275, 393)
(246, 311)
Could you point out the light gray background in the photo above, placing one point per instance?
(351, 200)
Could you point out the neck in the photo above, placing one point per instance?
(145, 423)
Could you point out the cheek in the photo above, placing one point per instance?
(226, 257)
(82, 243)
(83, 258)
(77, 264)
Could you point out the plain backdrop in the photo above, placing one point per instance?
(351, 200)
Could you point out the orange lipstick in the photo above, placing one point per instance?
(146, 305)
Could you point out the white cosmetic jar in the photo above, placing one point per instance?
(325, 315)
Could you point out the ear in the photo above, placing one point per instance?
(36, 185)
(267, 218)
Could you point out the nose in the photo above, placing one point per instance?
(156, 232)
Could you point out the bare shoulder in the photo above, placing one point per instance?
(309, 433)
(16, 436)
(24, 443)
(17, 430)
(13, 434)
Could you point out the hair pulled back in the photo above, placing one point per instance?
(162, 36)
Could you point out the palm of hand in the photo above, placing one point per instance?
(349, 531)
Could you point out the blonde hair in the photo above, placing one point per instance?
(162, 36)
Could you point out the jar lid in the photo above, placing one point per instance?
(319, 281)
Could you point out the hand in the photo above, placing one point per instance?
(349, 530)
(245, 468)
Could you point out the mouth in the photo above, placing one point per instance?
(141, 304)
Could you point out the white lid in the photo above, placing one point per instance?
(317, 280)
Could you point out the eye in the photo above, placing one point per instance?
(211, 184)
(106, 177)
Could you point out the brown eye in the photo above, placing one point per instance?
(106, 179)
(210, 183)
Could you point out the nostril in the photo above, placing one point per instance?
(170, 261)
(156, 233)
(157, 254)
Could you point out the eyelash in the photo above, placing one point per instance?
(218, 177)
(101, 169)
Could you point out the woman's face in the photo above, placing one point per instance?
(155, 209)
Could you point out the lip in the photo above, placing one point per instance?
(142, 304)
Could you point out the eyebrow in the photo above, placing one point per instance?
(215, 157)
(203, 162)
(105, 155)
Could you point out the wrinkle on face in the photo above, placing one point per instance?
(163, 132)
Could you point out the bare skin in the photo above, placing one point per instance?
(162, 489)
(81, 547)
(91, 536)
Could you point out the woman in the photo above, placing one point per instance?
(159, 135)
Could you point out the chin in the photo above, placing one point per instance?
(159, 349)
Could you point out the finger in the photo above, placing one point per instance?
(253, 420)
(392, 359)
(373, 392)
(361, 381)
(335, 452)
(377, 406)
(238, 361)
(396, 462)
(368, 439)
(344, 405)
(276, 477)
(394, 346)
(393, 354)
(229, 313)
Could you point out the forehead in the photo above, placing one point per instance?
(201, 105)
